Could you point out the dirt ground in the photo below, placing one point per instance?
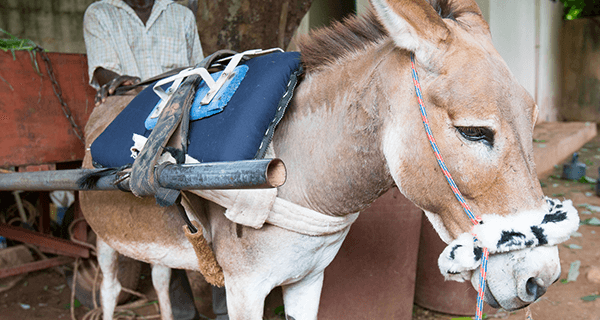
(45, 295)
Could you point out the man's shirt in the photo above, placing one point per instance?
(117, 40)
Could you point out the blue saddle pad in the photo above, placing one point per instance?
(218, 102)
(236, 133)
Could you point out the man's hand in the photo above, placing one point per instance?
(108, 89)
(109, 81)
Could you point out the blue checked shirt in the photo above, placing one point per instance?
(117, 40)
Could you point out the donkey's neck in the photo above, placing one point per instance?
(330, 140)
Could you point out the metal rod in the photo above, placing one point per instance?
(250, 174)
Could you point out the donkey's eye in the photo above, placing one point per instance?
(478, 134)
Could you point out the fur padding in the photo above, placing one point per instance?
(502, 234)
(458, 260)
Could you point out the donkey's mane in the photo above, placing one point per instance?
(326, 45)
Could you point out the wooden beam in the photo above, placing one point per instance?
(34, 266)
(45, 242)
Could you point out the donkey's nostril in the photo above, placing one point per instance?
(535, 287)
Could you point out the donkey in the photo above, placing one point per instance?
(352, 131)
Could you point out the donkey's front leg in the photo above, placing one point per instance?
(108, 260)
(161, 277)
(245, 298)
(301, 299)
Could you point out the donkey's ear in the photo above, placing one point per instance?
(534, 117)
(414, 25)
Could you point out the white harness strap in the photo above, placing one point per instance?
(287, 215)
(253, 208)
(214, 86)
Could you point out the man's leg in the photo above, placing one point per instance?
(182, 298)
(219, 303)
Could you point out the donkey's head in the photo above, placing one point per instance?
(482, 119)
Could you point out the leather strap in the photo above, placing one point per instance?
(143, 181)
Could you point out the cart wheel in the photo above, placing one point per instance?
(128, 275)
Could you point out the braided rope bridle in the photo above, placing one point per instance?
(474, 219)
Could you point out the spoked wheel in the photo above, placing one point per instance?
(128, 275)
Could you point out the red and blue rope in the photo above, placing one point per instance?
(474, 219)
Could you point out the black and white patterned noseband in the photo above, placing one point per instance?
(502, 234)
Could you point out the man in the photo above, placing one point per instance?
(129, 40)
(132, 40)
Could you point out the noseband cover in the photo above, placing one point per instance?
(500, 234)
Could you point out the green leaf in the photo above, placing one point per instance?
(14, 43)
(76, 304)
(591, 222)
(593, 208)
(574, 246)
(590, 297)
(583, 205)
(586, 179)
(574, 271)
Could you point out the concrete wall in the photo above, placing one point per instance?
(56, 25)
(550, 76)
(526, 33)
(581, 68)
(513, 27)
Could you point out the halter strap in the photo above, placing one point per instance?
(474, 219)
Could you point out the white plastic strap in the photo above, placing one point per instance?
(228, 72)
(214, 86)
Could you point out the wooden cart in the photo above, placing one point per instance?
(37, 135)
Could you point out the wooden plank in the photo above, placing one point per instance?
(45, 242)
(34, 128)
(34, 266)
